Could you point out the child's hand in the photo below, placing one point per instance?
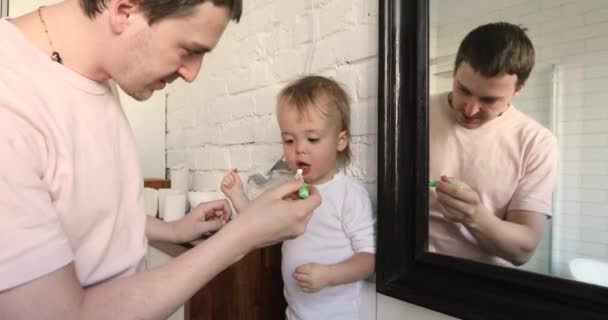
(312, 277)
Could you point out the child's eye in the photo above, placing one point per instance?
(288, 141)
(313, 140)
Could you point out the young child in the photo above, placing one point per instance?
(322, 269)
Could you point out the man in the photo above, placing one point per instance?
(73, 231)
(496, 166)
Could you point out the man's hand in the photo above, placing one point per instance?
(462, 204)
(278, 214)
(205, 217)
(514, 238)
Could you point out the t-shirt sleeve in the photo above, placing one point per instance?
(359, 221)
(32, 242)
(535, 189)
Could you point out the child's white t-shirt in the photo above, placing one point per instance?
(344, 224)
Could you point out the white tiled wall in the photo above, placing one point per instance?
(567, 93)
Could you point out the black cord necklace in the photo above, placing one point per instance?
(55, 56)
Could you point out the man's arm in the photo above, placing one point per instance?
(159, 230)
(157, 293)
(514, 239)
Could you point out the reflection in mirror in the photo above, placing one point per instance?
(3, 8)
(566, 95)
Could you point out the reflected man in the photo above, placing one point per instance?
(495, 166)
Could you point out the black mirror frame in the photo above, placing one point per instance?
(404, 270)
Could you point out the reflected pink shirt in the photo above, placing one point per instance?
(70, 181)
(510, 161)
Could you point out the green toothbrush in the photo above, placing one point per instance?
(303, 192)
(433, 184)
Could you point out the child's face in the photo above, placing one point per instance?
(311, 143)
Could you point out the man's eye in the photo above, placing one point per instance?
(192, 53)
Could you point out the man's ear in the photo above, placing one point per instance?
(343, 139)
(518, 90)
(120, 11)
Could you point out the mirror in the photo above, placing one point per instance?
(418, 40)
(3, 8)
(567, 94)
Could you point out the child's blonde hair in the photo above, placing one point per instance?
(324, 95)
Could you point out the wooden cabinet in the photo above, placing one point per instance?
(250, 289)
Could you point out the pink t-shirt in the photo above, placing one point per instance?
(510, 161)
(70, 181)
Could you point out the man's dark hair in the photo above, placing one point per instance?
(497, 48)
(157, 10)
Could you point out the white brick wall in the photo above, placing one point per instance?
(571, 41)
(227, 117)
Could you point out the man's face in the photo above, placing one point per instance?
(477, 99)
(169, 49)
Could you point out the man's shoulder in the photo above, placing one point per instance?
(530, 128)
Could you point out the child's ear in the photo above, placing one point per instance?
(342, 140)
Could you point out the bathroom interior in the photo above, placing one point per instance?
(566, 93)
(192, 134)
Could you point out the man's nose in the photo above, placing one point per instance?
(471, 108)
(190, 68)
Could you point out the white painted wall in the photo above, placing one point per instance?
(19, 7)
(147, 120)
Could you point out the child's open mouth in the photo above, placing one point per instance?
(304, 166)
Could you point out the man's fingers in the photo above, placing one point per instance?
(313, 200)
(453, 205)
(212, 207)
(287, 189)
(461, 193)
(211, 225)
